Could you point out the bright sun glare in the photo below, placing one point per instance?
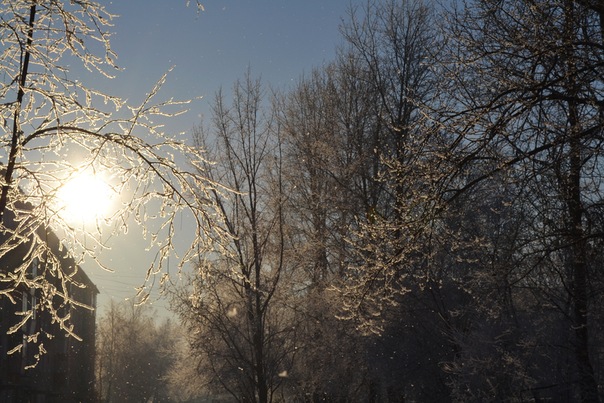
(85, 197)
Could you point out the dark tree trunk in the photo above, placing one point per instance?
(577, 240)
(16, 131)
(587, 382)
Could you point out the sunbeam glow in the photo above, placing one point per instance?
(85, 197)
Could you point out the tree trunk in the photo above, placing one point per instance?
(587, 382)
(16, 132)
(577, 240)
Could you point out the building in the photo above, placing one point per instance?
(65, 372)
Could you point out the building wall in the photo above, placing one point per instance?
(65, 372)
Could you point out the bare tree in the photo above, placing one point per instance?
(238, 308)
(330, 171)
(49, 120)
(528, 109)
(134, 354)
(361, 157)
(392, 47)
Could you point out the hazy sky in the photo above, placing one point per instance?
(278, 40)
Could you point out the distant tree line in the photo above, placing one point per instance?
(419, 220)
(135, 353)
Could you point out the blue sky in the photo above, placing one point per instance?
(278, 40)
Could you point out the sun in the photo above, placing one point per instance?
(85, 197)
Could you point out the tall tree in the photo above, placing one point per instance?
(330, 169)
(238, 308)
(528, 101)
(393, 46)
(52, 126)
(358, 148)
